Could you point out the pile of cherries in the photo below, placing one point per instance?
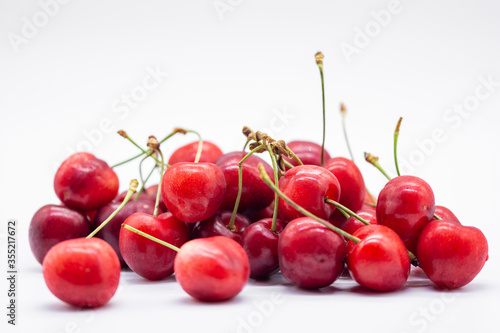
(217, 219)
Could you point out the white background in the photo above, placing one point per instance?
(245, 66)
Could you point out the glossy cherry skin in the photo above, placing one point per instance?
(308, 186)
(147, 258)
(53, 224)
(446, 214)
(111, 232)
(82, 272)
(352, 224)
(352, 185)
(187, 153)
(217, 226)
(212, 269)
(406, 205)
(193, 192)
(310, 255)
(450, 254)
(308, 152)
(255, 194)
(380, 260)
(85, 183)
(261, 246)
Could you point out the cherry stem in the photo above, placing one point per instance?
(230, 226)
(147, 152)
(200, 146)
(344, 213)
(144, 184)
(158, 192)
(369, 204)
(396, 136)
(346, 210)
(131, 190)
(295, 157)
(148, 236)
(288, 164)
(373, 160)
(276, 181)
(268, 181)
(319, 61)
(343, 111)
(126, 161)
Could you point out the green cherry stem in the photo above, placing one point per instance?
(373, 160)
(200, 146)
(268, 181)
(158, 192)
(319, 61)
(396, 136)
(230, 226)
(343, 112)
(144, 184)
(295, 157)
(147, 152)
(288, 164)
(346, 210)
(276, 181)
(148, 236)
(132, 189)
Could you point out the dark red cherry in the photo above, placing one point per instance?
(380, 260)
(217, 226)
(149, 259)
(255, 194)
(209, 153)
(262, 214)
(352, 224)
(261, 246)
(406, 205)
(85, 183)
(450, 254)
(308, 186)
(310, 254)
(308, 152)
(193, 192)
(53, 224)
(446, 214)
(82, 272)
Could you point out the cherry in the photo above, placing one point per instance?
(261, 246)
(217, 225)
(82, 272)
(210, 152)
(193, 191)
(262, 214)
(144, 196)
(352, 223)
(380, 260)
(151, 260)
(406, 205)
(446, 214)
(451, 255)
(85, 183)
(353, 191)
(310, 254)
(151, 191)
(308, 152)
(255, 195)
(53, 224)
(308, 186)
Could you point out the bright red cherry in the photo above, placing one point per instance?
(53, 224)
(209, 153)
(308, 186)
(255, 195)
(193, 191)
(217, 225)
(212, 269)
(85, 183)
(149, 259)
(352, 224)
(446, 214)
(310, 254)
(406, 205)
(308, 152)
(380, 260)
(261, 246)
(450, 254)
(82, 272)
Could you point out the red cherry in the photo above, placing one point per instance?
(308, 186)
(406, 205)
(352, 224)
(310, 254)
(380, 260)
(262, 214)
(151, 260)
(351, 182)
(53, 224)
(193, 191)
(255, 195)
(217, 226)
(82, 272)
(308, 152)
(209, 153)
(85, 183)
(261, 246)
(151, 191)
(446, 214)
(451, 255)
(212, 269)
(144, 196)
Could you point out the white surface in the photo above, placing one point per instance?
(69, 78)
